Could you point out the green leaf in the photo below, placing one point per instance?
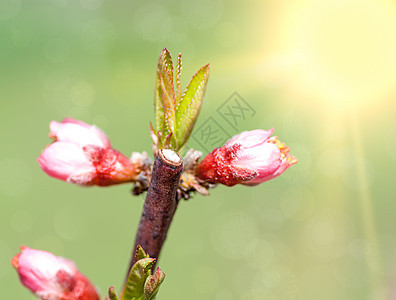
(164, 103)
(112, 294)
(134, 287)
(158, 106)
(176, 113)
(152, 285)
(169, 141)
(169, 109)
(178, 80)
(190, 105)
(140, 254)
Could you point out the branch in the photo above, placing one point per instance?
(160, 204)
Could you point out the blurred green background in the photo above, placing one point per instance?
(321, 72)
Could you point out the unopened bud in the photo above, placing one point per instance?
(82, 154)
(52, 277)
(249, 158)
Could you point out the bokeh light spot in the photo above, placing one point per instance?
(231, 232)
(297, 203)
(261, 254)
(202, 14)
(153, 22)
(98, 36)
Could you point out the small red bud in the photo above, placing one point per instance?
(52, 277)
(82, 154)
(249, 158)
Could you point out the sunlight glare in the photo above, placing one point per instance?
(337, 51)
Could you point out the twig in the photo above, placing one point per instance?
(160, 205)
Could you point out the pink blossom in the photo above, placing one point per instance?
(51, 277)
(78, 133)
(82, 154)
(249, 158)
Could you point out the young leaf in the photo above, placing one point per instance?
(190, 105)
(168, 142)
(169, 107)
(164, 70)
(178, 81)
(152, 284)
(154, 136)
(112, 294)
(140, 254)
(134, 287)
(158, 105)
(165, 65)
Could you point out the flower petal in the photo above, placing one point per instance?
(51, 277)
(262, 178)
(62, 160)
(264, 159)
(77, 132)
(250, 138)
(255, 152)
(44, 278)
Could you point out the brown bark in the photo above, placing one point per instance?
(160, 204)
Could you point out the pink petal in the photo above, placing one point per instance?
(264, 159)
(37, 270)
(62, 160)
(250, 138)
(51, 277)
(79, 133)
(282, 167)
(101, 136)
(253, 150)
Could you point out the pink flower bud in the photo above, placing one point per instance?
(248, 158)
(51, 277)
(82, 154)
